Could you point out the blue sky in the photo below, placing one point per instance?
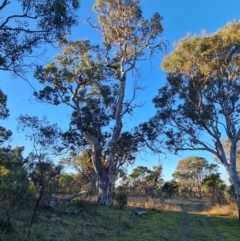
(180, 18)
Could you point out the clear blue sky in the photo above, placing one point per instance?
(180, 18)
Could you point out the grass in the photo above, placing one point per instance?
(173, 219)
(229, 210)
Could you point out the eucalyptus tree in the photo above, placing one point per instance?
(92, 82)
(200, 104)
(43, 137)
(144, 181)
(137, 180)
(191, 171)
(26, 25)
(215, 187)
(154, 181)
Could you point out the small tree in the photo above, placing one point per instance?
(121, 198)
(14, 181)
(170, 188)
(41, 169)
(137, 180)
(190, 173)
(154, 181)
(215, 187)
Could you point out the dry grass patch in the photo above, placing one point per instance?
(229, 210)
(175, 204)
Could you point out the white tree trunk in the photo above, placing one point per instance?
(232, 170)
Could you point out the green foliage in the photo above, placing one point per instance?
(202, 91)
(231, 193)
(215, 187)
(44, 173)
(69, 183)
(209, 53)
(201, 100)
(14, 181)
(123, 20)
(85, 178)
(121, 198)
(190, 173)
(143, 181)
(170, 188)
(4, 113)
(31, 24)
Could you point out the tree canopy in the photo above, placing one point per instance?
(200, 103)
(190, 173)
(29, 25)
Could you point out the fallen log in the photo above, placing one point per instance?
(139, 211)
(67, 198)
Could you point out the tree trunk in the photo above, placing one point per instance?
(105, 180)
(105, 191)
(236, 185)
(199, 188)
(106, 175)
(238, 202)
(234, 176)
(237, 192)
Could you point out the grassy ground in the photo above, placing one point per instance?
(172, 220)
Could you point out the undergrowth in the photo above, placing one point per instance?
(228, 210)
(165, 220)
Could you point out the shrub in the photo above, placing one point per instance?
(121, 198)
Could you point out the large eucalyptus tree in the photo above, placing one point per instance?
(200, 104)
(92, 81)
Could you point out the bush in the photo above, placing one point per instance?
(121, 198)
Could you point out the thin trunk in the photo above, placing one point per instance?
(42, 188)
(234, 176)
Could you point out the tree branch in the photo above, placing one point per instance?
(4, 4)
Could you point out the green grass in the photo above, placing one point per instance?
(111, 224)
